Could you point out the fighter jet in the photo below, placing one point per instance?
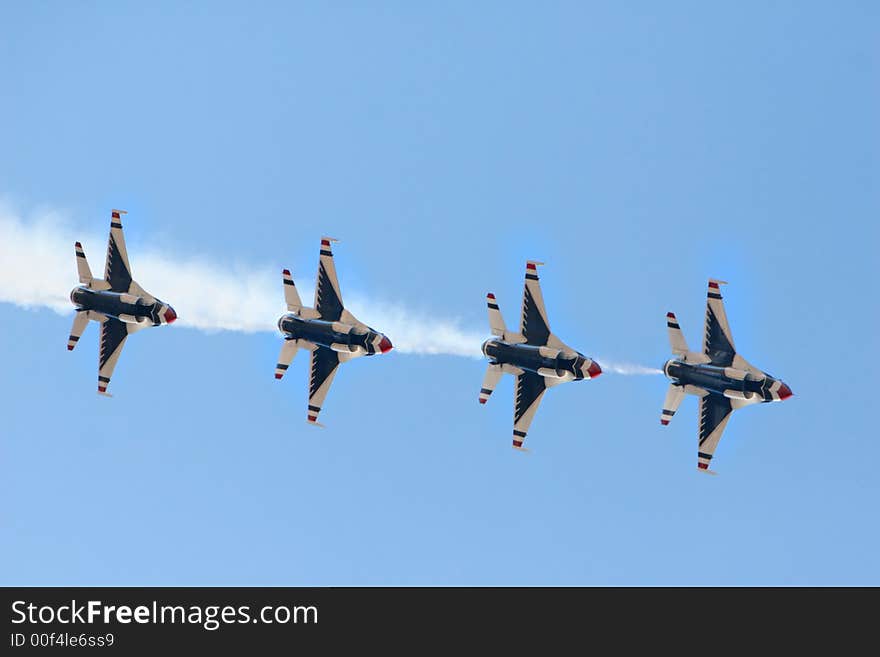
(537, 358)
(722, 379)
(117, 302)
(330, 332)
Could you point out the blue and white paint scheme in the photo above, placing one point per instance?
(329, 331)
(535, 356)
(722, 379)
(117, 302)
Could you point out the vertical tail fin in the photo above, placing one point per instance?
(82, 266)
(673, 398)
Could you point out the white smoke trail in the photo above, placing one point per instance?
(627, 369)
(37, 269)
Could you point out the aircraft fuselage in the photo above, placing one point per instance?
(337, 336)
(545, 361)
(728, 381)
(127, 308)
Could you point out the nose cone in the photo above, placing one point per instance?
(385, 345)
(594, 370)
(784, 392)
(170, 315)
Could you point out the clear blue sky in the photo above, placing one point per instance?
(637, 149)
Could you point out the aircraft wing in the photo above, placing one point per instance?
(717, 338)
(328, 298)
(715, 411)
(535, 325)
(117, 271)
(113, 335)
(325, 362)
(530, 387)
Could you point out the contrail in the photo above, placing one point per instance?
(37, 269)
(627, 369)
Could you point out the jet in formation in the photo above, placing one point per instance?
(117, 302)
(330, 332)
(535, 356)
(722, 379)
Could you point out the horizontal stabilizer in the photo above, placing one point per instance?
(82, 265)
(292, 300)
(493, 375)
(80, 321)
(496, 321)
(679, 345)
(288, 351)
(291, 296)
(676, 337)
(670, 405)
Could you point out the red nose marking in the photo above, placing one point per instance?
(703, 466)
(670, 315)
(385, 345)
(102, 388)
(286, 272)
(664, 422)
(482, 401)
(594, 370)
(490, 295)
(784, 392)
(278, 376)
(70, 347)
(170, 315)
